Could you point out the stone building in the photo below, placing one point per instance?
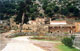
(58, 22)
(40, 25)
(29, 28)
(37, 21)
(35, 28)
(62, 28)
(12, 23)
(77, 25)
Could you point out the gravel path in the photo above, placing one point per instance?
(21, 44)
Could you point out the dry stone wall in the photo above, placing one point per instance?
(77, 41)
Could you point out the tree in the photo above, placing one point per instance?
(64, 11)
(22, 11)
(26, 10)
(75, 11)
(47, 7)
(56, 9)
(31, 10)
(7, 9)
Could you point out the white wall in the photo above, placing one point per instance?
(58, 23)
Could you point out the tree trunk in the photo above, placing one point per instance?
(21, 25)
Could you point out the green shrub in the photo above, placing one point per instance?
(67, 41)
(73, 37)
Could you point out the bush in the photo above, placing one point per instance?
(73, 37)
(67, 41)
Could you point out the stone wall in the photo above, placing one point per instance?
(36, 28)
(77, 41)
(47, 29)
(4, 27)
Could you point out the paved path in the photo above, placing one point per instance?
(21, 44)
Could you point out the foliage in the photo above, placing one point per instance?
(64, 11)
(67, 41)
(73, 37)
(31, 9)
(56, 9)
(73, 10)
(7, 9)
(63, 7)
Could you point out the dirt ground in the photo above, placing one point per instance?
(3, 41)
(46, 45)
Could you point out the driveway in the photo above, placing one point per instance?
(21, 44)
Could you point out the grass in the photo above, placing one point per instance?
(46, 40)
(65, 48)
(43, 39)
(61, 47)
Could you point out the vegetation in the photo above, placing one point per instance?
(49, 38)
(31, 9)
(66, 48)
(63, 7)
(16, 35)
(27, 10)
(67, 41)
(7, 9)
(73, 37)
